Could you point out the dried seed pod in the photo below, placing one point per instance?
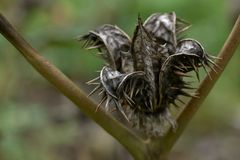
(162, 26)
(165, 28)
(145, 76)
(142, 51)
(113, 43)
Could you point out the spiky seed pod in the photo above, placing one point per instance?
(145, 75)
(114, 45)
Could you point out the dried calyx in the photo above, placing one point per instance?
(144, 75)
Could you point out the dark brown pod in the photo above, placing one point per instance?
(145, 76)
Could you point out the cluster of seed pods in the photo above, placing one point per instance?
(144, 76)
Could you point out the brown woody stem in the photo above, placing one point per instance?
(193, 105)
(127, 138)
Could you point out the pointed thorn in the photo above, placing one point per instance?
(204, 67)
(128, 98)
(181, 74)
(93, 83)
(100, 53)
(212, 68)
(93, 80)
(137, 91)
(132, 88)
(209, 60)
(119, 107)
(187, 94)
(178, 68)
(94, 90)
(94, 47)
(194, 95)
(86, 42)
(98, 106)
(213, 57)
(188, 87)
(213, 63)
(195, 69)
(182, 65)
(101, 91)
(192, 63)
(197, 75)
(107, 103)
(131, 92)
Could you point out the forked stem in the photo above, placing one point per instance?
(153, 149)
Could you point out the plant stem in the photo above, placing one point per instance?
(193, 105)
(128, 139)
(156, 148)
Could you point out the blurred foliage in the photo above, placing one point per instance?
(37, 123)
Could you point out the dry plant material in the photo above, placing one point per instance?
(144, 76)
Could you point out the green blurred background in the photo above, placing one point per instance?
(38, 123)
